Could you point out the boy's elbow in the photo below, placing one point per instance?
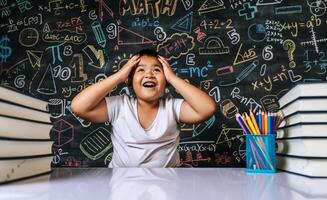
(77, 110)
(210, 111)
(212, 108)
(74, 107)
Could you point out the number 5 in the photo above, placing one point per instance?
(234, 36)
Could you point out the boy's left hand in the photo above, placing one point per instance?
(169, 73)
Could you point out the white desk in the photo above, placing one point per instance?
(165, 184)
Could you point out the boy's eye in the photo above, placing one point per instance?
(140, 70)
(157, 70)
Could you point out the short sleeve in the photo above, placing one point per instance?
(177, 103)
(114, 104)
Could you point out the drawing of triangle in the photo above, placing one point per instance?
(34, 57)
(239, 58)
(131, 37)
(184, 24)
(211, 5)
(47, 84)
(46, 28)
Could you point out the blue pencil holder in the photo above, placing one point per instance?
(260, 153)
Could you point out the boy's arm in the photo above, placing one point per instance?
(90, 104)
(197, 105)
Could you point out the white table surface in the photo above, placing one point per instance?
(165, 184)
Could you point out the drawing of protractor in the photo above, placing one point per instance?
(213, 45)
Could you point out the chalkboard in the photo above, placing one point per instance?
(245, 54)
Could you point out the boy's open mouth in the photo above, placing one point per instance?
(149, 84)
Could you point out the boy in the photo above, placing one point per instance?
(144, 129)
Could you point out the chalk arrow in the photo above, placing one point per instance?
(96, 57)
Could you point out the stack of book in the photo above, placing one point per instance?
(302, 136)
(25, 145)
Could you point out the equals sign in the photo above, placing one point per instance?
(275, 78)
(302, 24)
(183, 71)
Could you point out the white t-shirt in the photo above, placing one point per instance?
(134, 146)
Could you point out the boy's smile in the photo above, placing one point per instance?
(149, 84)
(149, 81)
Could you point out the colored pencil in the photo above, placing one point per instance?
(262, 122)
(259, 121)
(241, 123)
(245, 123)
(254, 122)
(248, 120)
(273, 123)
(280, 119)
(266, 123)
(269, 123)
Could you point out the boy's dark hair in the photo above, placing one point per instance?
(143, 52)
(148, 52)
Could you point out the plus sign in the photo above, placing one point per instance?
(261, 83)
(315, 62)
(248, 11)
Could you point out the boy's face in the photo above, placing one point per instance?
(149, 81)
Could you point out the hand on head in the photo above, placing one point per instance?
(134, 60)
(128, 67)
(166, 68)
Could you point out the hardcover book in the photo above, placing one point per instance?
(310, 167)
(304, 90)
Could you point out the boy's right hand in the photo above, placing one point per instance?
(127, 68)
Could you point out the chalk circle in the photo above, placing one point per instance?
(257, 32)
(28, 37)
(318, 8)
(65, 74)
